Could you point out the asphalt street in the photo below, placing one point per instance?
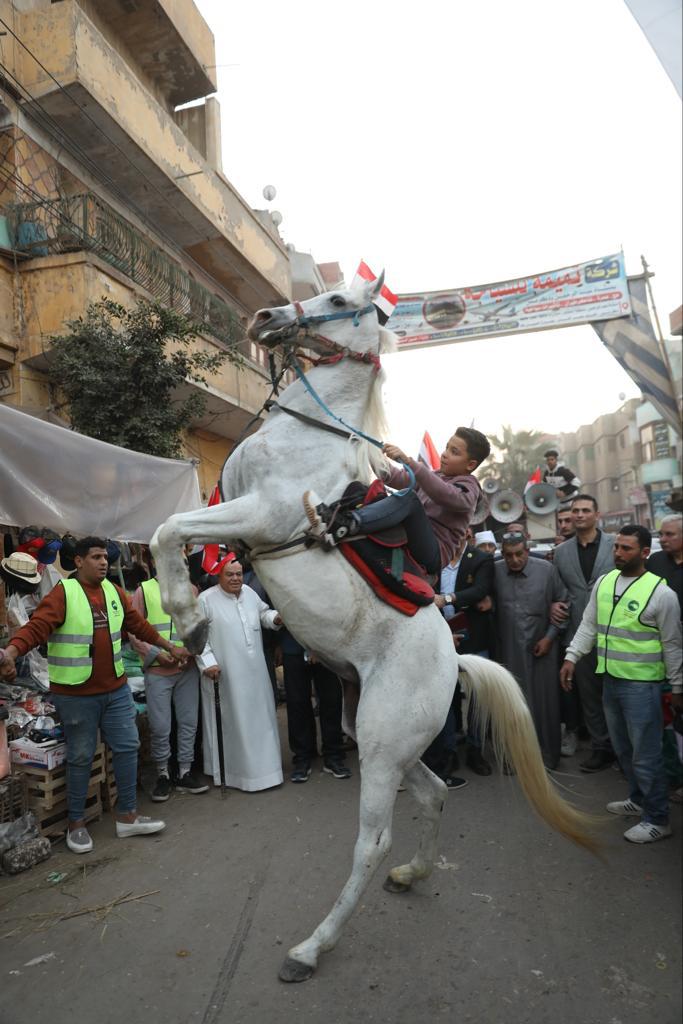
(515, 925)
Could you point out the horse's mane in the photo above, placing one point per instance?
(374, 419)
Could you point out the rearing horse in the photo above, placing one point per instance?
(399, 671)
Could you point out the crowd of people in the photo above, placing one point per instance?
(591, 631)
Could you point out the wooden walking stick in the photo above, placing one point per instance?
(219, 733)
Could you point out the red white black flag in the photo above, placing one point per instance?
(428, 453)
(385, 301)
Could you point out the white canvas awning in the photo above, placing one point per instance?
(54, 477)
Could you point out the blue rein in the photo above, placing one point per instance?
(323, 318)
(326, 409)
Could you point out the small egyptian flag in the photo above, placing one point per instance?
(428, 453)
(535, 478)
(385, 302)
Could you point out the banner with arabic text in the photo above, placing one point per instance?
(583, 293)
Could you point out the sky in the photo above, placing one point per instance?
(455, 143)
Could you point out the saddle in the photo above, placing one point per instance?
(383, 559)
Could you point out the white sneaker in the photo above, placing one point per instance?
(142, 826)
(79, 840)
(626, 808)
(569, 744)
(646, 832)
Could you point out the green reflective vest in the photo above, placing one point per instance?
(70, 646)
(156, 616)
(627, 647)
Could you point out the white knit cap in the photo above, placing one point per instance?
(485, 537)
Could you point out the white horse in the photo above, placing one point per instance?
(399, 672)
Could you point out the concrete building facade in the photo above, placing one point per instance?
(606, 456)
(630, 460)
(112, 186)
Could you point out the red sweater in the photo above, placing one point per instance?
(50, 614)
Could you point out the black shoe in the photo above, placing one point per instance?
(301, 773)
(337, 768)
(162, 790)
(599, 760)
(328, 524)
(453, 782)
(190, 783)
(475, 760)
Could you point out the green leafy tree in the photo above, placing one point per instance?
(120, 369)
(516, 455)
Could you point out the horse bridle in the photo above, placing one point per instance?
(338, 352)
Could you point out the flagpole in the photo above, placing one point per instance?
(647, 274)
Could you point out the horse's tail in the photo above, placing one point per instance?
(501, 702)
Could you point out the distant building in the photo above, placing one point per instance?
(606, 457)
(630, 461)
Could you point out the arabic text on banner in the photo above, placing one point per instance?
(583, 293)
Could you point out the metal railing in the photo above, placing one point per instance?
(84, 222)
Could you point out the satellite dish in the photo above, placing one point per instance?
(541, 499)
(269, 193)
(490, 486)
(276, 218)
(481, 511)
(507, 506)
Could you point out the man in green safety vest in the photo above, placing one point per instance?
(168, 684)
(633, 620)
(81, 620)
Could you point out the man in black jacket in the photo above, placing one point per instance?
(466, 589)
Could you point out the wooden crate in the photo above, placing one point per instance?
(108, 786)
(47, 786)
(13, 797)
(52, 821)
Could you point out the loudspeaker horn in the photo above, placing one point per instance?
(481, 511)
(507, 506)
(490, 486)
(541, 499)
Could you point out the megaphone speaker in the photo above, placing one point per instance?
(490, 486)
(507, 506)
(541, 499)
(481, 511)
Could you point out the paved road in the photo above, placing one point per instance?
(514, 927)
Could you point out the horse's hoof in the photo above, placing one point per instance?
(295, 970)
(195, 641)
(391, 886)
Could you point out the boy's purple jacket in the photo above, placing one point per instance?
(449, 502)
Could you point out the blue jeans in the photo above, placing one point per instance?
(634, 719)
(114, 714)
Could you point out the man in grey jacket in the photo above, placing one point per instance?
(579, 563)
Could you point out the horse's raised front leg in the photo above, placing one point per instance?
(230, 521)
(430, 793)
(379, 783)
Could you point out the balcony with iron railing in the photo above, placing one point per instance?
(85, 223)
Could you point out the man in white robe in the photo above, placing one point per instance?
(234, 656)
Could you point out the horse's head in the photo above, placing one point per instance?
(338, 320)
